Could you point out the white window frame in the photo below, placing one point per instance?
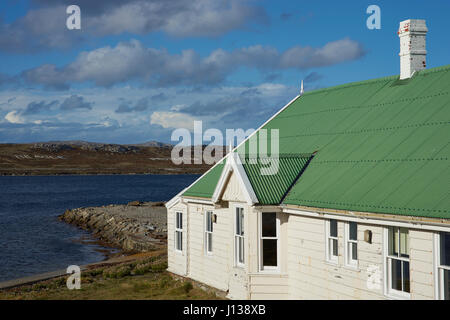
(178, 230)
(439, 276)
(348, 248)
(236, 238)
(260, 247)
(389, 291)
(209, 232)
(328, 238)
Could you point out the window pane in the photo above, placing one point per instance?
(393, 241)
(209, 224)
(405, 276)
(241, 216)
(269, 224)
(238, 222)
(179, 220)
(241, 249)
(270, 252)
(334, 245)
(236, 249)
(404, 242)
(353, 230)
(333, 228)
(446, 284)
(179, 240)
(354, 251)
(209, 235)
(445, 248)
(396, 274)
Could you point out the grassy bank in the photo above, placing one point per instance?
(142, 276)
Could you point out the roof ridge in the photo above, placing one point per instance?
(365, 106)
(381, 79)
(280, 155)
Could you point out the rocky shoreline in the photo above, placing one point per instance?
(135, 227)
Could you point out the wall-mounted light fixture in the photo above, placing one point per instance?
(368, 236)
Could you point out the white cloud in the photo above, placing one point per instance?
(218, 107)
(108, 66)
(173, 120)
(14, 117)
(43, 26)
(177, 107)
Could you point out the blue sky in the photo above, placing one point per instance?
(138, 69)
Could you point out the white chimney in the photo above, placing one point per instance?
(412, 54)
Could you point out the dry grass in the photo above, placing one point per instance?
(142, 278)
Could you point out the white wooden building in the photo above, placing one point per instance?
(359, 207)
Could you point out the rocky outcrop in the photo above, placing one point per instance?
(137, 227)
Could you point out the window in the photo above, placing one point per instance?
(179, 231)
(351, 244)
(208, 232)
(444, 266)
(269, 241)
(332, 241)
(398, 262)
(239, 237)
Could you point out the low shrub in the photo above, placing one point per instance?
(187, 286)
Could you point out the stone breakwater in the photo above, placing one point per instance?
(135, 227)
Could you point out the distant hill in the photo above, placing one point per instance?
(154, 144)
(97, 144)
(82, 157)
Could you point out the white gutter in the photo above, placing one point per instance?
(383, 221)
(202, 201)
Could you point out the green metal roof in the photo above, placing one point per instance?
(205, 186)
(382, 146)
(271, 188)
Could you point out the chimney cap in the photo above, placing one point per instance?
(412, 26)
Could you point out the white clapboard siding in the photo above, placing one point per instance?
(269, 286)
(176, 260)
(312, 277)
(421, 264)
(211, 269)
(304, 271)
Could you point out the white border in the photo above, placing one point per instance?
(205, 240)
(436, 256)
(236, 260)
(176, 229)
(350, 263)
(388, 291)
(328, 257)
(233, 166)
(261, 267)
